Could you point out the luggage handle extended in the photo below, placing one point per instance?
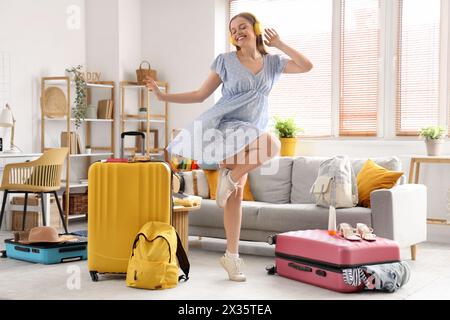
(132, 133)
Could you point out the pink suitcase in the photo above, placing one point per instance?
(315, 257)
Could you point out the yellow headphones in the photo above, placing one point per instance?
(256, 28)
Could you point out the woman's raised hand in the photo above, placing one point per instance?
(272, 38)
(151, 84)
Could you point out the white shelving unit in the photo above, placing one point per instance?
(145, 120)
(100, 151)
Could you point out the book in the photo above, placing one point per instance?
(73, 141)
(105, 109)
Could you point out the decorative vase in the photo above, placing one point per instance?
(434, 146)
(288, 147)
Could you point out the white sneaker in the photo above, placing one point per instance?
(225, 187)
(233, 267)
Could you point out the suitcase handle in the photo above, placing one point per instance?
(132, 133)
(70, 249)
(71, 259)
(299, 267)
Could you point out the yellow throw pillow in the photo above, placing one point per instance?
(212, 177)
(373, 177)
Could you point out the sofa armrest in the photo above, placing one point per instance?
(400, 213)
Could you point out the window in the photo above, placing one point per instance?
(345, 91)
(307, 26)
(418, 65)
(359, 65)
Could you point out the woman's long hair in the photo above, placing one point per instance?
(259, 39)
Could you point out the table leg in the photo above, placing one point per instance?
(416, 176)
(46, 201)
(180, 221)
(411, 171)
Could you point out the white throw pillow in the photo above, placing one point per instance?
(194, 183)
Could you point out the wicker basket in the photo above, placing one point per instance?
(78, 203)
(144, 73)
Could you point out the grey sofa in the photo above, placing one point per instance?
(283, 203)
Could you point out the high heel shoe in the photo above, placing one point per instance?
(349, 233)
(365, 232)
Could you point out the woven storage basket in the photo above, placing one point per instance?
(78, 203)
(143, 73)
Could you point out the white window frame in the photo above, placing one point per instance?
(444, 56)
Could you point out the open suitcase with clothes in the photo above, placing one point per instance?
(333, 262)
(47, 253)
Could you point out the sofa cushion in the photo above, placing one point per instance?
(305, 169)
(304, 173)
(373, 177)
(210, 215)
(272, 181)
(390, 163)
(289, 217)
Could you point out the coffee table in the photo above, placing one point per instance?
(180, 221)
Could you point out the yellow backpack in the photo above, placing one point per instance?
(155, 255)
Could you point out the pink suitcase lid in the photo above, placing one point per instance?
(318, 245)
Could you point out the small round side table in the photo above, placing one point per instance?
(180, 221)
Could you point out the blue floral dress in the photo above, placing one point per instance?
(237, 119)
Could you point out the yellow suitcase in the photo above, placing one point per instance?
(122, 198)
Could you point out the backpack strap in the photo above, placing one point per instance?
(182, 260)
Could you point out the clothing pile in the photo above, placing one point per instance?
(386, 277)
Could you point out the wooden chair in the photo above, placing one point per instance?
(39, 176)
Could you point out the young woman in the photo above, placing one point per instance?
(238, 121)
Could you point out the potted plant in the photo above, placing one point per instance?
(433, 139)
(80, 109)
(287, 130)
(88, 149)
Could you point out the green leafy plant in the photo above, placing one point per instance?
(432, 133)
(80, 108)
(286, 128)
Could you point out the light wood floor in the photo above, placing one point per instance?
(21, 280)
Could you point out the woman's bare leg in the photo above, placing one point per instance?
(263, 149)
(233, 216)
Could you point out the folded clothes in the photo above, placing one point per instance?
(188, 201)
(381, 277)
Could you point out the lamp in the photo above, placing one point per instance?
(7, 121)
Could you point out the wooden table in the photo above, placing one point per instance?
(180, 221)
(414, 173)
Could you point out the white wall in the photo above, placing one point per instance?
(36, 35)
(178, 38)
(113, 47)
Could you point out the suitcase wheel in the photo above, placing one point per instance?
(3, 252)
(94, 275)
(271, 270)
(272, 239)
